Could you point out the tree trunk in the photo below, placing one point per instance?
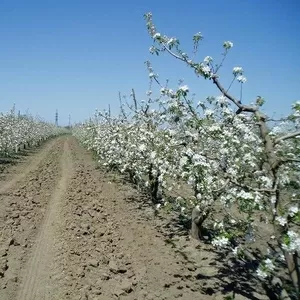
(154, 185)
(198, 218)
(294, 272)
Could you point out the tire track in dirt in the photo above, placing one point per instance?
(37, 284)
(110, 249)
(28, 168)
(22, 210)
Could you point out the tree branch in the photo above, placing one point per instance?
(238, 103)
(173, 54)
(287, 136)
(247, 187)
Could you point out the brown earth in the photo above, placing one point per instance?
(71, 231)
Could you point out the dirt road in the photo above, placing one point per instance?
(71, 232)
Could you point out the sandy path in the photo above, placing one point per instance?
(36, 273)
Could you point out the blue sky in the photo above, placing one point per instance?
(75, 56)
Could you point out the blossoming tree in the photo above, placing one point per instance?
(18, 131)
(234, 162)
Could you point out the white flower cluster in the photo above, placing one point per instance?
(17, 130)
(166, 143)
(266, 267)
(220, 242)
(228, 45)
(292, 243)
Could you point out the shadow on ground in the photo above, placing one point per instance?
(234, 277)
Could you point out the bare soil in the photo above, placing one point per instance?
(72, 231)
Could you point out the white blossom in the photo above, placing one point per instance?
(227, 45)
(269, 264)
(293, 210)
(294, 242)
(184, 88)
(157, 35)
(222, 99)
(208, 59)
(152, 75)
(235, 250)
(281, 220)
(241, 79)
(237, 71)
(261, 274)
(152, 49)
(142, 147)
(206, 70)
(220, 242)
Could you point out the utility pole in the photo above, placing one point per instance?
(69, 121)
(56, 118)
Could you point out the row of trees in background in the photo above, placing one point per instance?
(17, 131)
(243, 174)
